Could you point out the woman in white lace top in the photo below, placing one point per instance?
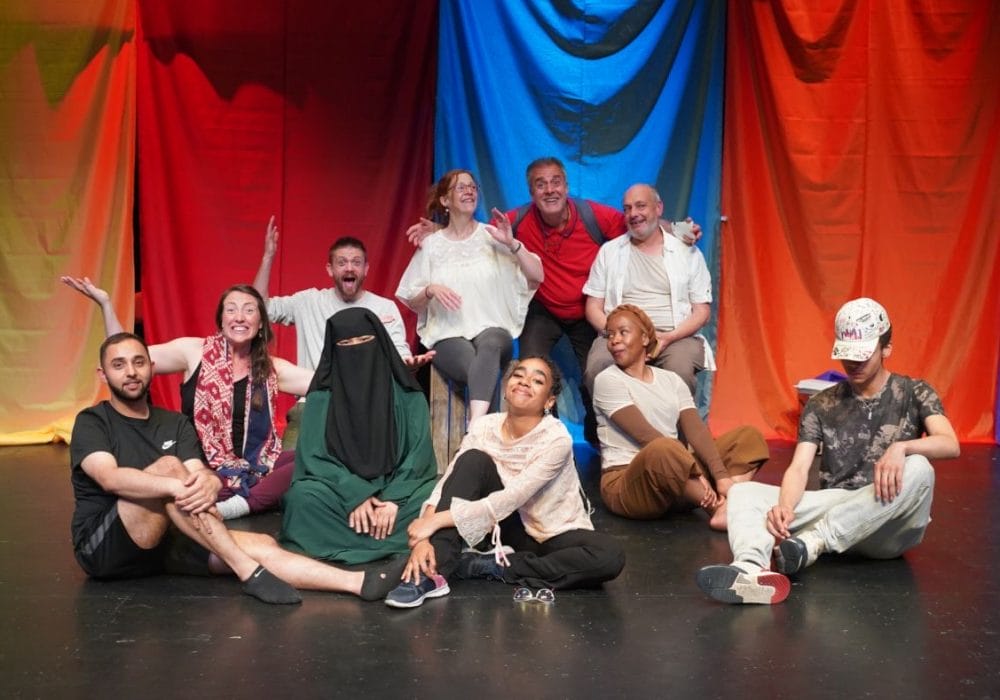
(514, 477)
(470, 284)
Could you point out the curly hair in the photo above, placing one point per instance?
(553, 371)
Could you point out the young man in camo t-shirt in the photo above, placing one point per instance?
(877, 430)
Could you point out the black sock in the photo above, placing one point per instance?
(266, 587)
(379, 580)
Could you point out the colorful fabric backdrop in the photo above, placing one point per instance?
(860, 160)
(67, 149)
(620, 92)
(858, 146)
(286, 110)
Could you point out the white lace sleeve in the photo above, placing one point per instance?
(416, 276)
(475, 519)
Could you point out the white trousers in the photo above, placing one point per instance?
(846, 521)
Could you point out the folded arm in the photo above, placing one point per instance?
(594, 312)
(940, 442)
(700, 313)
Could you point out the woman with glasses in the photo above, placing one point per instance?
(514, 477)
(469, 284)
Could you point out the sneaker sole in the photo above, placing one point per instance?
(729, 585)
(790, 556)
(436, 593)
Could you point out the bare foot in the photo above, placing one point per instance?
(699, 492)
(718, 520)
(746, 476)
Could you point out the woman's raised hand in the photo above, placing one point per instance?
(500, 229)
(271, 239)
(421, 230)
(86, 288)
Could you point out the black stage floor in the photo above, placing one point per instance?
(925, 626)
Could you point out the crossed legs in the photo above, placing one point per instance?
(665, 476)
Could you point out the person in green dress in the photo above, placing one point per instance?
(365, 461)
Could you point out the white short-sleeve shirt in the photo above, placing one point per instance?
(660, 402)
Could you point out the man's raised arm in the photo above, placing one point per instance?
(263, 278)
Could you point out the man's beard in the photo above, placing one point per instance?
(121, 395)
(358, 282)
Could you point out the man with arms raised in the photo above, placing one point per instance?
(308, 310)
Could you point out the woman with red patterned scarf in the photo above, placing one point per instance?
(228, 391)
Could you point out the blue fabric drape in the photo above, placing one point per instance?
(621, 92)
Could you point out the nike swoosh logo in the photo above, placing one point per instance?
(168, 444)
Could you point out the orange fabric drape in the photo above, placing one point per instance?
(861, 142)
(67, 144)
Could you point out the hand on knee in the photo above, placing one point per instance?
(168, 465)
(917, 471)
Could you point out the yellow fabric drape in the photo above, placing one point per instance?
(67, 146)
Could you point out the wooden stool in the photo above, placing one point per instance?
(448, 408)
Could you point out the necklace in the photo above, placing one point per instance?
(505, 431)
(869, 404)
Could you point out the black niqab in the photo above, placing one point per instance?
(360, 422)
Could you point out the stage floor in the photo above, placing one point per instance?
(925, 626)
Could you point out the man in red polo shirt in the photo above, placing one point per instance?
(566, 236)
(566, 233)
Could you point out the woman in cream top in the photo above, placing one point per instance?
(514, 477)
(470, 284)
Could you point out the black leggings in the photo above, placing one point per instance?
(573, 559)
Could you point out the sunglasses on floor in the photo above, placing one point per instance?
(525, 595)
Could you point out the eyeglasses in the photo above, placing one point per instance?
(464, 187)
(525, 595)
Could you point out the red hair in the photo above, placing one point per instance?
(435, 210)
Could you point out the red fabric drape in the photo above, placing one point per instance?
(298, 109)
(861, 142)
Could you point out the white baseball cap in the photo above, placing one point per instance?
(859, 324)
